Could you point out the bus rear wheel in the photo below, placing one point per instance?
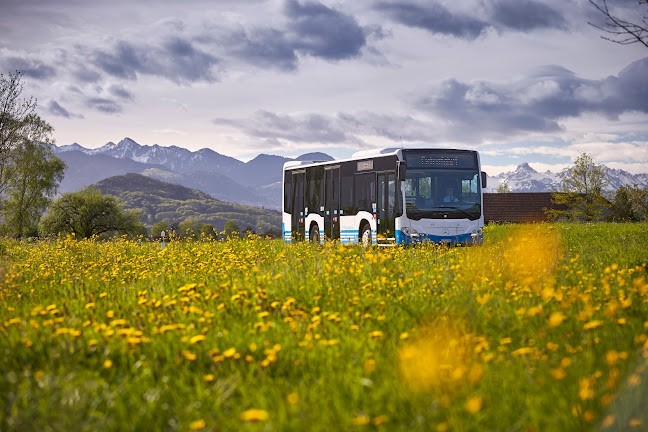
(365, 235)
(314, 234)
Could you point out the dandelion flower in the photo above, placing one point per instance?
(253, 415)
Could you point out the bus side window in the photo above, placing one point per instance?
(346, 194)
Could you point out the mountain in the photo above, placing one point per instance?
(84, 169)
(174, 158)
(526, 179)
(226, 178)
(158, 200)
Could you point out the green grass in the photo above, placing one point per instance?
(542, 328)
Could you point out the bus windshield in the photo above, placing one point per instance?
(442, 194)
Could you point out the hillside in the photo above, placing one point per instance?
(158, 200)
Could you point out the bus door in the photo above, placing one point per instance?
(298, 216)
(386, 215)
(332, 203)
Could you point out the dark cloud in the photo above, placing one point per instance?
(54, 108)
(503, 15)
(324, 32)
(310, 128)
(433, 17)
(527, 15)
(104, 105)
(176, 59)
(263, 48)
(31, 68)
(312, 29)
(120, 92)
(536, 104)
(339, 129)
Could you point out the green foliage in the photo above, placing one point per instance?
(503, 188)
(581, 192)
(208, 232)
(29, 171)
(36, 177)
(189, 229)
(158, 200)
(157, 228)
(88, 213)
(630, 204)
(232, 229)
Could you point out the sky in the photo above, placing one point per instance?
(518, 80)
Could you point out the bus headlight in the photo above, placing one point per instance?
(477, 232)
(410, 232)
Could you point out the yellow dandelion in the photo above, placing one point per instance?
(253, 415)
(592, 324)
(635, 422)
(377, 421)
(197, 338)
(556, 318)
(292, 398)
(474, 404)
(189, 355)
(360, 420)
(107, 364)
(208, 377)
(197, 425)
(229, 353)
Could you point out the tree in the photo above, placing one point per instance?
(503, 187)
(581, 191)
(231, 229)
(157, 228)
(88, 213)
(29, 172)
(623, 31)
(207, 232)
(189, 228)
(630, 204)
(36, 177)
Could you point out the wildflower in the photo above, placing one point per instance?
(556, 318)
(253, 415)
(292, 398)
(208, 377)
(474, 404)
(197, 338)
(197, 425)
(360, 420)
(592, 325)
(377, 421)
(108, 364)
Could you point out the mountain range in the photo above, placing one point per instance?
(526, 179)
(254, 183)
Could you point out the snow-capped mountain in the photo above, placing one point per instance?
(176, 159)
(526, 179)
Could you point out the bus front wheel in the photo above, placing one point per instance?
(365, 235)
(314, 234)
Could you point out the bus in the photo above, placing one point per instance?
(386, 197)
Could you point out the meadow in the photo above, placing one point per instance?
(542, 328)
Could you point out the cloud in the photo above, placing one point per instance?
(342, 129)
(120, 92)
(502, 15)
(32, 68)
(104, 105)
(434, 18)
(54, 108)
(526, 15)
(324, 32)
(311, 29)
(535, 104)
(175, 59)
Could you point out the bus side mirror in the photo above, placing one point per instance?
(401, 170)
(483, 179)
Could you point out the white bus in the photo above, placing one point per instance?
(386, 197)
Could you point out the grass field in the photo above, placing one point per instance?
(543, 328)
